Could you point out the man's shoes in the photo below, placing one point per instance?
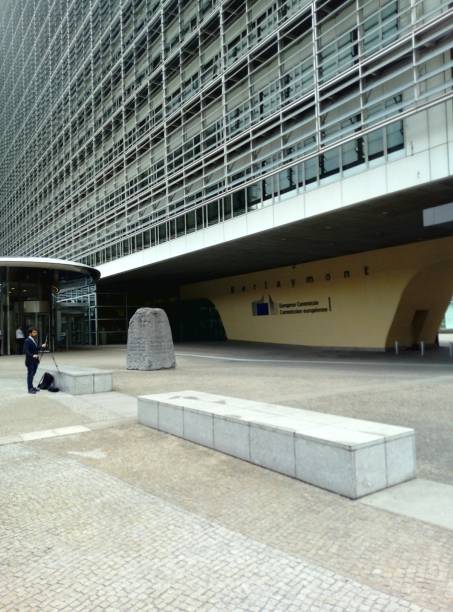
(32, 391)
(36, 390)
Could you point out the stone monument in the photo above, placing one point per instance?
(149, 341)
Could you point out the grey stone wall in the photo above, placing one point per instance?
(149, 341)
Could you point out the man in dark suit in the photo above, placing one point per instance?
(31, 351)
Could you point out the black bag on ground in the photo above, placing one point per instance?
(46, 380)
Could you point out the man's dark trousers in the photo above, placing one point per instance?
(31, 371)
(31, 363)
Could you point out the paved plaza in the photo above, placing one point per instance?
(100, 513)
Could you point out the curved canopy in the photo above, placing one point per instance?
(45, 263)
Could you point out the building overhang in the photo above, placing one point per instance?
(390, 220)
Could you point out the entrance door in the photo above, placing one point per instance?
(40, 320)
(72, 327)
(13, 316)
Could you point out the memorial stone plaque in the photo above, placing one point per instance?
(149, 341)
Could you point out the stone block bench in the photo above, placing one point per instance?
(347, 456)
(79, 381)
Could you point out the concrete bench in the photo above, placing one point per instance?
(79, 381)
(347, 456)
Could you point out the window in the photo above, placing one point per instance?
(267, 188)
(180, 226)
(227, 213)
(329, 163)
(311, 170)
(375, 144)
(162, 232)
(352, 153)
(395, 136)
(238, 203)
(213, 213)
(190, 222)
(253, 196)
(287, 180)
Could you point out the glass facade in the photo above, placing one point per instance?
(30, 290)
(128, 123)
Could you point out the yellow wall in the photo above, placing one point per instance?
(371, 308)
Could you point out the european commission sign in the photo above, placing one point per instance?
(267, 306)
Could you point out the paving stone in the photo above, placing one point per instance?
(85, 538)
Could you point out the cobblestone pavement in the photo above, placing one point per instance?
(74, 538)
(393, 554)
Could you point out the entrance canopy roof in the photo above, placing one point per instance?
(67, 270)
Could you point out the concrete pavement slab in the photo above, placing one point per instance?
(425, 500)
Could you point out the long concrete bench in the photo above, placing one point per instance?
(347, 456)
(79, 381)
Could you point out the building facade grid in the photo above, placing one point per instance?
(127, 123)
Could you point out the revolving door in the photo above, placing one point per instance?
(26, 300)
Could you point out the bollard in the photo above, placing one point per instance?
(422, 347)
(397, 348)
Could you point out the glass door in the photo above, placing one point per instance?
(40, 320)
